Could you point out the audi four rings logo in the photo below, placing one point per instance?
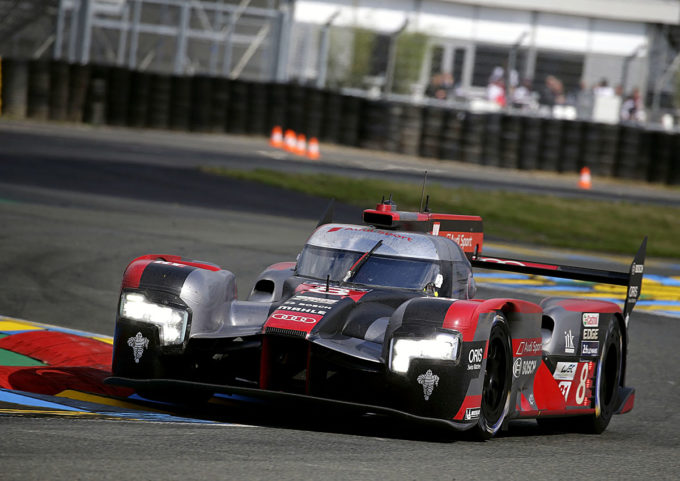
(294, 318)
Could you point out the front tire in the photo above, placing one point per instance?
(497, 380)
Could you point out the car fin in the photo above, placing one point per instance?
(327, 217)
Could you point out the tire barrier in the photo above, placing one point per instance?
(38, 105)
(118, 92)
(238, 107)
(180, 102)
(530, 150)
(661, 153)
(59, 90)
(96, 99)
(491, 145)
(452, 135)
(101, 94)
(373, 125)
(572, 146)
(138, 99)
(79, 84)
(14, 87)
(433, 126)
(410, 129)
(349, 129)
(607, 154)
(473, 137)
(331, 119)
(629, 148)
(160, 91)
(220, 104)
(257, 122)
(314, 110)
(295, 106)
(510, 141)
(551, 148)
(394, 115)
(201, 103)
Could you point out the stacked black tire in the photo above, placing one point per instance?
(101, 94)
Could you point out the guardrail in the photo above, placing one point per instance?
(99, 94)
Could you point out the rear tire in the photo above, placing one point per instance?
(497, 380)
(606, 389)
(607, 382)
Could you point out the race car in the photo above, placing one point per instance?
(381, 317)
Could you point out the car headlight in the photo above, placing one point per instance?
(171, 321)
(444, 346)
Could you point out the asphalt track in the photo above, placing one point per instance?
(73, 214)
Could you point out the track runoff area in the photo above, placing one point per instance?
(51, 371)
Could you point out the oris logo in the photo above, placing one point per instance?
(294, 318)
(475, 355)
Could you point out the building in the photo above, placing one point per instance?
(625, 42)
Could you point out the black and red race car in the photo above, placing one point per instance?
(381, 317)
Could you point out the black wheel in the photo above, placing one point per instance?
(607, 384)
(497, 380)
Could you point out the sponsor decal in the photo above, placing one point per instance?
(368, 229)
(517, 367)
(471, 413)
(527, 347)
(590, 334)
(435, 228)
(475, 359)
(565, 386)
(317, 300)
(294, 318)
(568, 342)
(565, 371)
(428, 381)
(523, 367)
(590, 348)
(138, 343)
(332, 290)
(633, 291)
(581, 382)
(637, 268)
(174, 264)
(460, 239)
(591, 319)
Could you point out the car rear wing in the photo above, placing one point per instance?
(631, 279)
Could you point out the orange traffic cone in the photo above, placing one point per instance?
(290, 144)
(276, 140)
(313, 149)
(585, 181)
(301, 147)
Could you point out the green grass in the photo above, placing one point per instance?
(604, 226)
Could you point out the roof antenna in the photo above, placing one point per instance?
(427, 203)
(422, 193)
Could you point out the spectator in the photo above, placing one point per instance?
(523, 96)
(495, 92)
(632, 108)
(553, 93)
(603, 89)
(441, 86)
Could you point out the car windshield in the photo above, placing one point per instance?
(319, 262)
